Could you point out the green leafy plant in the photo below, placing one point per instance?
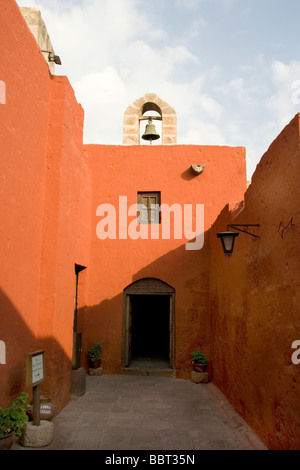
(197, 357)
(14, 419)
(95, 352)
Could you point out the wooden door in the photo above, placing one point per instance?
(172, 332)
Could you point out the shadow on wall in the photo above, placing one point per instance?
(188, 273)
(255, 299)
(20, 340)
(185, 271)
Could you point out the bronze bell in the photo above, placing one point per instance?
(150, 132)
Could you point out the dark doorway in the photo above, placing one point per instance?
(148, 327)
(150, 334)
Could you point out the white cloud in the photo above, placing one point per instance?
(102, 95)
(197, 27)
(195, 4)
(140, 62)
(204, 133)
(189, 4)
(91, 34)
(242, 92)
(108, 61)
(114, 51)
(282, 103)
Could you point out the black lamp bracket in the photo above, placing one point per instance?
(244, 229)
(50, 57)
(53, 58)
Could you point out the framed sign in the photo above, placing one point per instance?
(2, 353)
(35, 368)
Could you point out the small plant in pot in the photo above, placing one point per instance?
(94, 356)
(199, 361)
(13, 421)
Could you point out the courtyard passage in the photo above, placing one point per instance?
(137, 412)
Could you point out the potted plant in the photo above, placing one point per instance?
(94, 356)
(13, 421)
(199, 361)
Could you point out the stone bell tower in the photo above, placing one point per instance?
(135, 112)
(38, 28)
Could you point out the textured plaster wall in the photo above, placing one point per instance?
(24, 129)
(45, 203)
(123, 171)
(255, 298)
(66, 234)
(243, 312)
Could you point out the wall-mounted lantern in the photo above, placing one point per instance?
(53, 58)
(228, 238)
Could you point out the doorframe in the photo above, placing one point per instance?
(146, 286)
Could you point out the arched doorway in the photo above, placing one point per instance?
(148, 323)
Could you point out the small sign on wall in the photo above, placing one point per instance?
(2, 353)
(2, 92)
(35, 368)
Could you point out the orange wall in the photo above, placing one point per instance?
(24, 127)
(45, 205)
(243, 312)
(66, 233)
(255, 298)
(123, 171)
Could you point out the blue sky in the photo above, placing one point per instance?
(230, 68)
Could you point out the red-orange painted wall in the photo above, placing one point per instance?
(44, 208)
(243, 312)
(115, 264)
(66, 233)
(24, 122)
(50, 191)
(254, 299)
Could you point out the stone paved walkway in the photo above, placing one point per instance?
(120, 412)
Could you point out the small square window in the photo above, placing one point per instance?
(149, 207)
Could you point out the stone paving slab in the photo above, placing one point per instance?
(133, 412)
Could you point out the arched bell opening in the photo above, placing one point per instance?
(164, 119)
(151, 125)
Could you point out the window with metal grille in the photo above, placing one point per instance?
(149, 207)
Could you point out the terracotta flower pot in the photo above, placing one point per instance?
(199, 367)
(95, 364)
(6, 441)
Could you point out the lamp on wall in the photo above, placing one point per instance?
(53, 58)
(228, 238)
